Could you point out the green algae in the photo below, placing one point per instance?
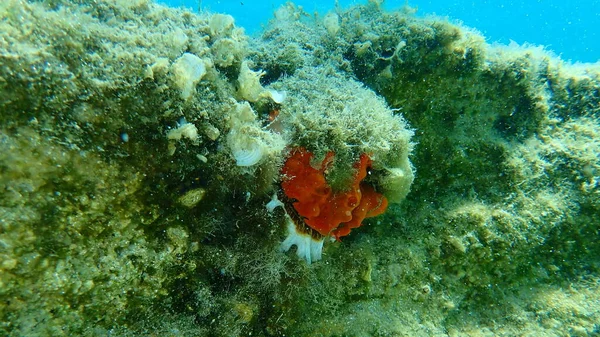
(498, 236)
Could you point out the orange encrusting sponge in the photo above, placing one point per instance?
(328, 212)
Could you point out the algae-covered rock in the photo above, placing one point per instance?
(500, 188)
(139, 145)
(326, 111)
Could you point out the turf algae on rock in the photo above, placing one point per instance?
(124, 209)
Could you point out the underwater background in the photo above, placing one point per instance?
(569, 28)
(366, 170)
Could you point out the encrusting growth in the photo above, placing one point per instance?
(315, 211)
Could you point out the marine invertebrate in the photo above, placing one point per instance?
(315, 211)
(247, 153)
(248, 142)
(188, 70)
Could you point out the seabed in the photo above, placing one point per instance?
(140, 144)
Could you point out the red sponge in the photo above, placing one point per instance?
(323, 210)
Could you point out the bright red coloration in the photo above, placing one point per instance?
(323, 210)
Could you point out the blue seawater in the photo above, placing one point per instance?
(571, 29)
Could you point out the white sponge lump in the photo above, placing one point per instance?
(187, 71)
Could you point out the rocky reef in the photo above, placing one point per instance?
(140, 145)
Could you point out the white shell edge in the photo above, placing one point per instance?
(307, 247)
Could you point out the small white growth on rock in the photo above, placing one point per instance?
(249, 82)
(242, 115)
(276, 96)
(177, 41)
(221, 24)
(188, 70)
(250, 88)
(160, 67)
(212, 132)
(248, 142)
(307, 247)
(274, 203)
(223, 51)
(184, 130)
(192, 197)
(202, 158)
(397, 180)
(246, 151)
(332, 23)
